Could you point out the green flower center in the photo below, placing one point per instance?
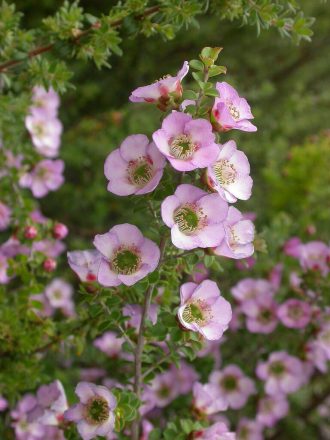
(229, 383)
(295, 312)
(265, 316)
(189, 218)
(243, 433)
(224, 172)
(277, 368)
(182, 147)
(126, 261)
(198, 312)
(140, 172)
(97, 410)
(163, 392)
(38, 130)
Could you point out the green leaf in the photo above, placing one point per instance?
(196, 64)
(217, 70)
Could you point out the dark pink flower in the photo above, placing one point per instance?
(294, 313)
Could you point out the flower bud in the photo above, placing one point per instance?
(30, 232)
(49, 265)
(60, 231)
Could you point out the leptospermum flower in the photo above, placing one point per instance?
(45, 133)
(248, 429)
(163, 389)
(249, 289)
(323, 340)
(239, 236)
(44, 102)
(85, 264)
(218, 431)
(207, 400)
(5, 213)
(271, 409)
(195, 217)
(46, 176)
(315, 255)
(261, 314)
(127, 255)
(204, 310)
(186, 142)
(233, 385)
(59, 294)
(110, 344)
(136, 167)
(294, 313)
(230, 111)
(94, 415)
(229, 175)
(283, 373)
(160, 90)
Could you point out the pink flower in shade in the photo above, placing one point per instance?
(218, 431)
(271, 409)
(316, 355)
(283, 373)
(184, 377)
(233, 385)
(245, 263)
(94, 415)
(4, 278)
(134, 312)
(249, 289)
(127, 255)
(46, 176)
(186, 142)
(195, 217)
(50, 248)
(294, 313)
(5, 213)
(45, 133)
(200, 273)
(207, 400)
(24, 430)
(203, 309)
(323, 340)
(248, 429)
(136, 167)
(261, 314)
(230, 111)
(163, 389)
(92, 374)
(51, 404)
(292, 247)
(230, 174)
(110, 344)
(160, 90)
(275, 275)
(59, 294)
(315, 255)
(44, 102)
(239, 236)
(3, 403)
(147, 427)
(85, 264)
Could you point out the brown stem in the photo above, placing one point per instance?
(140, 344)
(42, 49)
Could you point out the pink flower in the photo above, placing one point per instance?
(127, 255)
(239, 236)
(323, 340)
(5, 213)
(136, 167)
(283, 373)
(85, 264)
(134, 312)
(163, 389)
(186, 142)
(3, 403)
(160, 90)
(292, 247)
(271, 409)
(294, 313)
(110, 344)
(195, 217)
(4, 266)
(44, 102)
(45, 133)
(207, 400)
(184, 377)
(233, 385)
(261, 314)
(275, 275)
(51, 404)
(315, 255)
(249, 430)
(204, 310)
(94, 415)
(230, 111)
(249, 289)
(218, 431)
(316, 355)
(50, 248)
(201, 272)
(59, 294)
(46, 176)
(25, 430)
(230, 174)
